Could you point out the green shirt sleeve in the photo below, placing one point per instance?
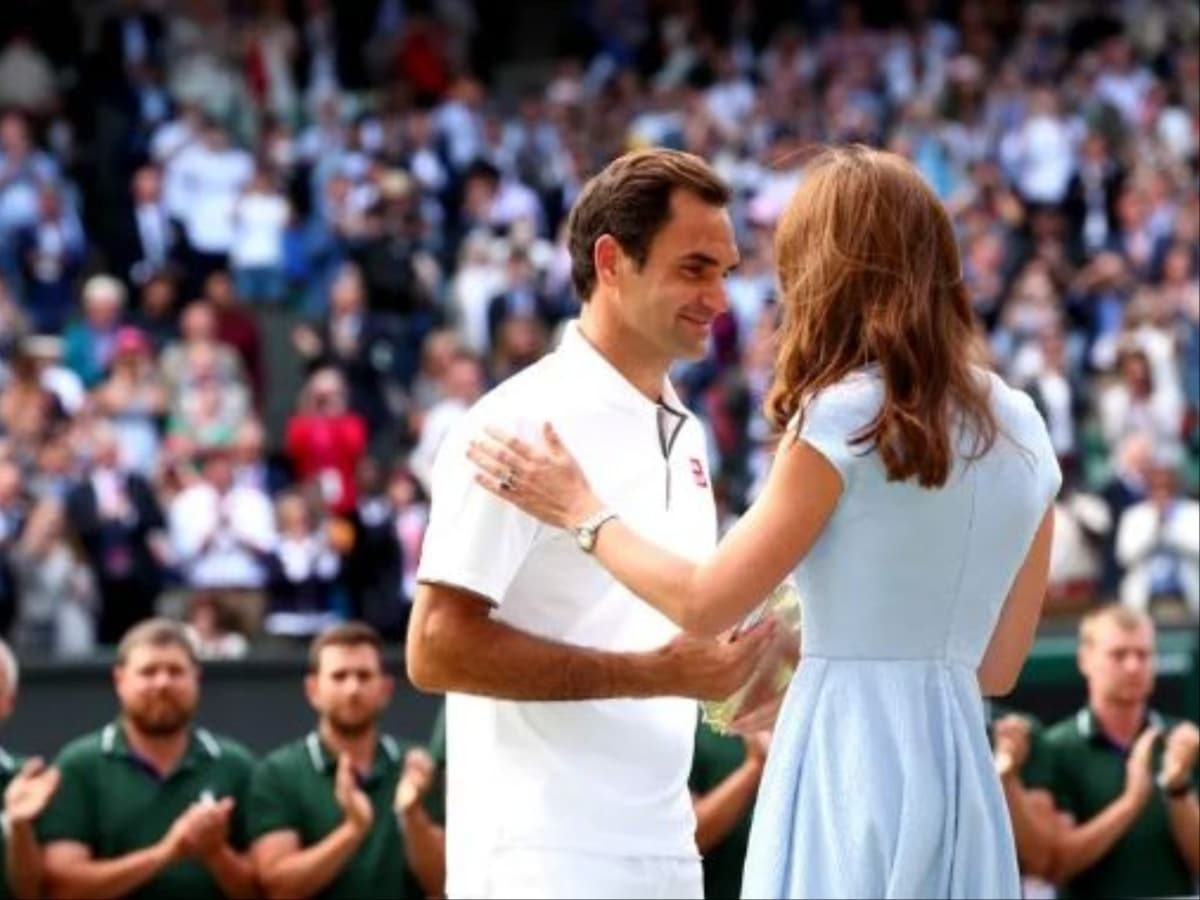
(239, 826)
(71, 814)
(269, 804)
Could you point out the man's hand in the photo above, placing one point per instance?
(209, 828)
(415, 780)
(712, 668)
(176, 843)
(1139, 781)
(1011, 743)
(30, 791)
(757, 745)
(1179, 755)
(355, 804)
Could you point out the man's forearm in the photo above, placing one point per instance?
(425, 848)
(1084, 846)
(233, 871)
(23, 857)
(1184, 815)
(1034, 838)
(307, 872)
(492, 659)
(718, 811)
(85, 879)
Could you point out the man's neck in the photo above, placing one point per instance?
(163, 752)
(625, 351)
(361, 747)
(1120, 722)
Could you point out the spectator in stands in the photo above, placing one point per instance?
(1132, 794)
(303, 569)
(28, 787)
(1158, 545)
(381, 566)
(726, 771)
(119, 524)
(149, 240)
(134, 398)
(13, 513)
(57, 593)
(151, 802)
(212, 630)
(222, 534)
(156, 314)
(90, 340)
(260, 217)
(334, 813)
(28, 410)
(325, 441)
(51, 253)
(356, 342)
(462, 383)
(237, 328)
(1136, 403)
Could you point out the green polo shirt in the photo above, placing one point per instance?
(717, 757)
(113, 801)
(435, 800)
(1087, 774)
(9, 767)
(293, 790)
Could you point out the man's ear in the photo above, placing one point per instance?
(607, 257)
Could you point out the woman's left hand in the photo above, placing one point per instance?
(545, 482)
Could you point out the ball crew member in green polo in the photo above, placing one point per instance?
(1125, 772)
(338, 813)
(150, 805)
(27, 786)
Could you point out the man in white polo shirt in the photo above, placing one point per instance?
(589, 797)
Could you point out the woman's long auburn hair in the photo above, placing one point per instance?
(869, 273)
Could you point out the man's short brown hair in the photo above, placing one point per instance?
(347, 634)
(1124, 617)
(156, 633)
(630, 199)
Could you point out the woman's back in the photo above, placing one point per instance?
(902, 571)
(880, 780)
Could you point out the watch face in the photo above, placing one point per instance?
(586, 538)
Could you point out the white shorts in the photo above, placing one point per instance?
(574, 875)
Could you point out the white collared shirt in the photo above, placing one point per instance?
(607, 776)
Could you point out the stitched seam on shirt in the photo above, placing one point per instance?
(962, 568)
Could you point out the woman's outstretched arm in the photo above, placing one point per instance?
(706, 597)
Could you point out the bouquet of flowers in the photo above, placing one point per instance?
(775, 668)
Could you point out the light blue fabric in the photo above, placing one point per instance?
(880, 781)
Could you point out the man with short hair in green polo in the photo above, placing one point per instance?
(1124, 772)
(338, 812)
(27, 788)
(150, 805)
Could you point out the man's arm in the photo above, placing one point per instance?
(23, 860)
(285, 869)
(1033, 835)
(719, 810)
(1081, 847)
(425, 848)
(1184, 815)
(233, 871)
(71, 871)
(454, 645)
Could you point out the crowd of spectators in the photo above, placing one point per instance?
(195, 194)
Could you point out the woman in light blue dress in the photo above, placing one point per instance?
(912, 494)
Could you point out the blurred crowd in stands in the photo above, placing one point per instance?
(256, 258)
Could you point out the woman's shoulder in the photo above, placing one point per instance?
(851, 402)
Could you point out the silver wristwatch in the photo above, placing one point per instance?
(586, 531)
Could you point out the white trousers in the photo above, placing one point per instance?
(534, 874)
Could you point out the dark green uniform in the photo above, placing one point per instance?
(435, 800)
(1087, 774)
(293, 790)
(716, 758)
(9, 767)
(114, 802)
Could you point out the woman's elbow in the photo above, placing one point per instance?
(997, 681)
